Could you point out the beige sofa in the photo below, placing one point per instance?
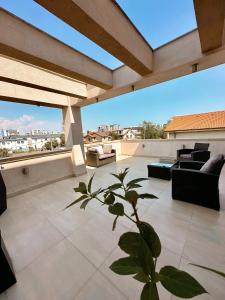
(97, 156)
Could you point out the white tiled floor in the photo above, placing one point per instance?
(65, 254)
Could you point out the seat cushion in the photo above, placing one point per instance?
(107, 148)
(104, 156)
(98, 149)
(185, 155)
(213, 165)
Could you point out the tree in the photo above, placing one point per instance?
(62, 138)
(4, 152)
(114, 135)
(152, 131)
(51, 145)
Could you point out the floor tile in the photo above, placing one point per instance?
(58, 274)
(99, 288)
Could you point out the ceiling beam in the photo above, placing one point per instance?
(27, 75)
(177, 58)
(210, 16)
(105, 23)
(24, 42)
(22, 94)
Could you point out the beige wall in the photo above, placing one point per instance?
(41, 171)
(167, 148)
(212, 134)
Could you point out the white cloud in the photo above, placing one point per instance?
(26, 122)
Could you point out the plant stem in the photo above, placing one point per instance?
(124, 213)
(136, 214)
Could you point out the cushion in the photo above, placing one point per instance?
(107, 148)
(185, 155)
(104, 156)
(98, 149)
(221, 186)
(213, 165)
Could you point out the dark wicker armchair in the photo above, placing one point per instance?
(191, 185)
(199, 153)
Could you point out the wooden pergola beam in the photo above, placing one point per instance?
(210, 15)
(17, 72)
(22, 41)
(105, 23)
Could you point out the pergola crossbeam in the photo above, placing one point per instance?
(177, 58)
(104, 22)
(210, 16)
(17, 72)
(22, 41)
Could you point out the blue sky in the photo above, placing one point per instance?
(159, 21)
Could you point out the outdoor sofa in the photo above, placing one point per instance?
(200, 183)
(97, 156)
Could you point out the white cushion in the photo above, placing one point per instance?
(222, 188)
(107, 148)
(99, 149)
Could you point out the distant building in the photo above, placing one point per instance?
(197, 126)
(9, 132)
(95, 137)
(40, 132)
(27, 142)
(105, 128)
(132, 133)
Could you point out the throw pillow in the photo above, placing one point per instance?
(99, 149)
(213, 165)
(107, 148)
(222, 188)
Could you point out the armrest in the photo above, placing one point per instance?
(184, 151)
(200, 155)
(193, 165)
(195, 178)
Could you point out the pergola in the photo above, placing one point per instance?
(38, 69)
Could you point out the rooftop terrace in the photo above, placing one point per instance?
(65, 254)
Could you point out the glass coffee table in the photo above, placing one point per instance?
(161, 170)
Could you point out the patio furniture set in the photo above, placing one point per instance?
(194, 181)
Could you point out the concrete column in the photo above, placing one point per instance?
(74, 137)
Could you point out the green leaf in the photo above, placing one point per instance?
(145, 258)
(121, 175)
(116, 209)
(147, 196)
(142, 277)
(180, 283)
(114, 223)
(136, 181)
(131, 197)
(115, 186)
(84, 204)
(209, 269)
(90, 183)
(126, 266)
(110, 199)
(130, 242)
(118, 195)
(150, 292)
(81, 188)
(76, 201)
(134, 186)
(151, 237)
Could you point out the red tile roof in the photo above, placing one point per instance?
(210, 120)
